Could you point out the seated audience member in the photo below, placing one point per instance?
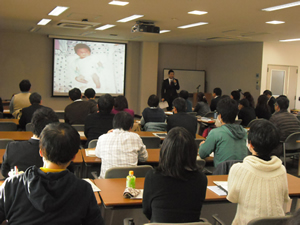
(119, 147)
(21, 100)
(271, 101)
(175, 191)
(50, 194)
(262, 109)
(180, 118)
(202, 107)
(228, 142)
(246, 113)
(286, 122)
(121, 104)
(90, 95)
(235, 95)
(153, 113)
(259, 184)
(35, 101)
(249, 97)
(185, 95)
(217, 93)
(24, 154)
(77, 112)
(101, 122)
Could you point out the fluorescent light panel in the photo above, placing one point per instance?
(44, 22)
(289, 40)
(192, 25)
(197, 12)
(284, 6)
(275, 22)
(120, 3)
(164, 31)
(133, 17)
(107, 26)
(58, 10)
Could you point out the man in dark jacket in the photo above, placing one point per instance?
(271, 101)
(169, 89)
(217, 93)
(51, 194)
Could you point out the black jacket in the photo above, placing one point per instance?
(27, 114)
(182, 119)
(77, 112)
(36, 198)
(214, 103)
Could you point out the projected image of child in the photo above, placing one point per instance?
(87, 66)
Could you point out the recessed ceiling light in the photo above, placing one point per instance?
(120, 3)
(284, 6)
(288, 40)
(105, 27)
(133, 17)
(192, 25)
(275, 22)
(197, 12)
(44, 22)
(164, 31)
(58, 10)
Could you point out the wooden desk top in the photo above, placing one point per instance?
(150, 134)
(21, 135)
(16, 121)
(112, 190)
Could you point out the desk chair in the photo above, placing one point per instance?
(155, 126)
(121, 172)
(201, 163)
(249, 125)
(78, 127)
(29, 127)
(198, 141)
(151, 142)
(298, 117)
(93, 143)
(210, 114)
(8, 126)
(278, 220)
(192, 113)
(129, 221)
(238, 121)
(291, 147)
(4, 142)
(224, 167)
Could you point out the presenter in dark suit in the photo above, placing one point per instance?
(169, 89)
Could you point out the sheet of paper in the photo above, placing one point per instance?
(206, 119)
(94, 187)
(81, 133)
(217, 190)
(163, 105)
(222, 184)
(90, 153)
(169, 113)
(140, 195)
(160, 135)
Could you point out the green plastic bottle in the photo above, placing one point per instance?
(130, 180)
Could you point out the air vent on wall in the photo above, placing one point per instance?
(70, 24)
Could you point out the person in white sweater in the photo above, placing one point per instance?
(259, 184)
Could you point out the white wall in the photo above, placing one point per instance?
(280, 53)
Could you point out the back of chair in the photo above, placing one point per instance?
(4, 142)
(151, 142)
(121, 172)
(93, 143)
(192, 113)
(298, 117)
(29, 127)
(278, 220)
(210, 114)
(201, 163)
(224, 167)
(8, 126)
(155, 126)
(291, 144)
(198, 141)
(191, 223)
(252, 121)
(78, 127)
(238, 121)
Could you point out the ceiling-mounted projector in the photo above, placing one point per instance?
(143, 26)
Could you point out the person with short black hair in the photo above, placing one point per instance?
(259, 182)
(119, 147)
(51, 194)
(90, 95)
(235, 95)
(26, 153)
(27, 112)
(121, 104)
(185, 95)
(262, 109)
(99, 123)
(246, 113)
(21, 100)
(153, 113)
(228, 142)
(286, 122)
(271, 101)
(177, 172)
(217, 93)
(78, 110)
(180, 118)
(169, 89)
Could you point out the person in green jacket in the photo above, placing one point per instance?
(228, 142)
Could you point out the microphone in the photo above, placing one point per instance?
(198, 86)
